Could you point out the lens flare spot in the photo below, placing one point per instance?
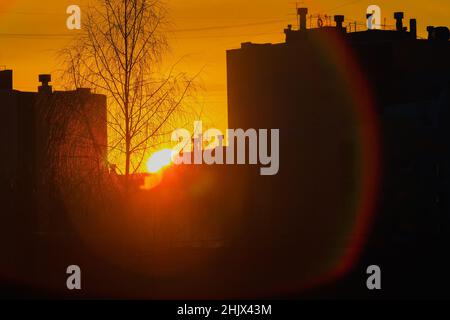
(159, 160)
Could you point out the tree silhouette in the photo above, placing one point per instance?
(119, 53)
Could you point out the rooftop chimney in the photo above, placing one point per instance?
(6, 80)
(45, 79)
(302, 12)
(413, 28)
(399, 18)
(339, 19)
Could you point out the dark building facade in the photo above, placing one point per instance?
(364, 141)
(49, 138)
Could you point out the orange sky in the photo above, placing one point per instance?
(203, 30)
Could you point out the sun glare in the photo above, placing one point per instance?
(159, 160)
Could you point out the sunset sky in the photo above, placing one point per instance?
(31, 32)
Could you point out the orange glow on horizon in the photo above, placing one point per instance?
(200, 32)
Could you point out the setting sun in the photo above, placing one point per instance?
(159, 160)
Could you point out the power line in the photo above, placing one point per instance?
(210, 28)
(235, 26)
(181, 30)
(35, 35)
(68, 36)
(227, 36)
(33, 13)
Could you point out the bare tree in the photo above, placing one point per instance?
(119, 53)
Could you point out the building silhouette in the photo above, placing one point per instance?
(364, 123)
(49, 138)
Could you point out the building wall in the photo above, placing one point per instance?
(310, 88)
(49, 140)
